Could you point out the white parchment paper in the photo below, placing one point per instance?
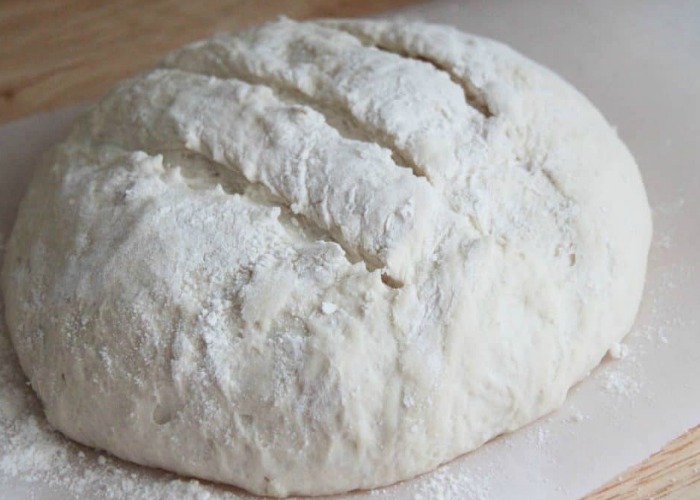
(639, 62)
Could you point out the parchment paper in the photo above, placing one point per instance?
(639, 62)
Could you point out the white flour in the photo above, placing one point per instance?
(31, 451)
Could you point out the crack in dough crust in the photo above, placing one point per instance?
(324, 256)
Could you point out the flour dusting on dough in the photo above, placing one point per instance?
(322, 256)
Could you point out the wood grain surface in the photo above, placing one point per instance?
(56, 53)
(673, 472)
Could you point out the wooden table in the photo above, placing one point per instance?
(58, 53)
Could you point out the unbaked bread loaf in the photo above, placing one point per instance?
(322, 256)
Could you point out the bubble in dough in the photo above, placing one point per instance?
(322, 256)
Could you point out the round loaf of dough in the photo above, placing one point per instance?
(323, 256)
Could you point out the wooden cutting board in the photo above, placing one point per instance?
(55, 54)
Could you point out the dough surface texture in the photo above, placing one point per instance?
(322, 256)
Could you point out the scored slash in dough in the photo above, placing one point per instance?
(323, 256)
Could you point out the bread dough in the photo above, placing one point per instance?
(323, 256)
